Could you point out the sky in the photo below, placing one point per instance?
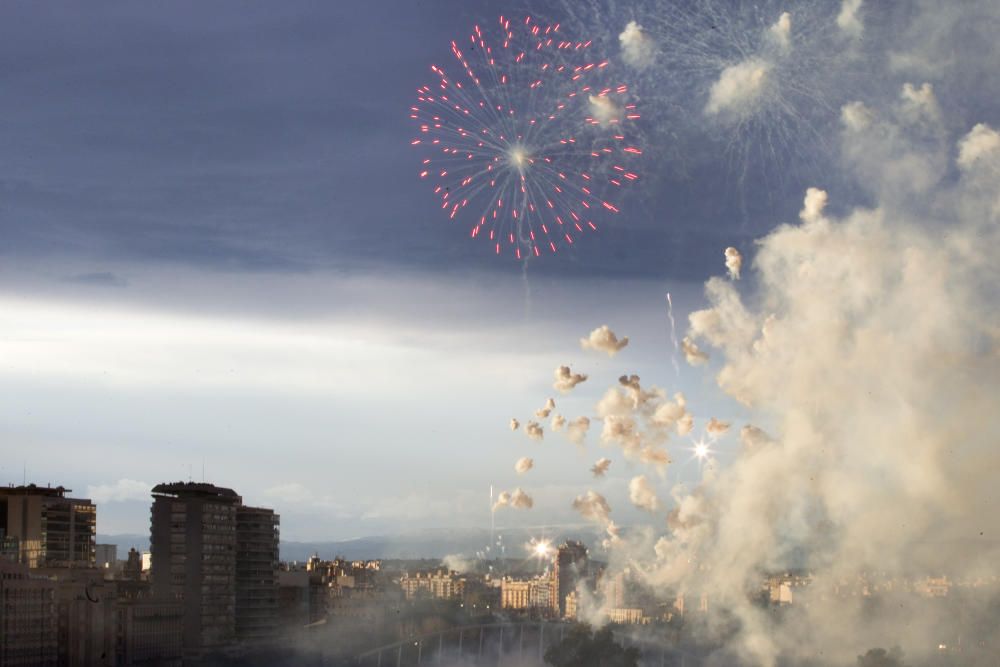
(217, 256)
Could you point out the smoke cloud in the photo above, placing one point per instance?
(848, 20)
(734, 261)
(534, 431)
(600, 467)
(516, 499)
(638, 49)
(523, 465)
(577, 429)
(566, 379)
(738, 87)
(693, 353)
(543, 413)
(716, 428)
(558, 421)
(781, 32)
(593, 506)
(603, 339)
(641, 493)
(514, 424)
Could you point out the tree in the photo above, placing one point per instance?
(582, 647)
(879, 657)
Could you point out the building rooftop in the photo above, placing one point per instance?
(194, 489)
(34, 490)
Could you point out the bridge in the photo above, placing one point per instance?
(499, 644)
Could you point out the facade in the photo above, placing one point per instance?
(28, 635)
(149, 632)
(256, 573)
(529, 594)
(42, 527)
(570, 567)
(193, 547)
(440, 585)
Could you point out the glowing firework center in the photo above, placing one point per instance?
(530, 145)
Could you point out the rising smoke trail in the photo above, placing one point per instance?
(673, 335)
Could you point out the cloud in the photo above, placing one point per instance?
(641, 493)
(734, 260)
(558, 421)
(577, 429)
(514, 424)
(523, 465)
(600, 467)
(534, 431)
(848, 20)
(753, 438)
(738, 87)
(603, 339)
(593, 506)
(565, 379)
(121, 491)
(638, 49)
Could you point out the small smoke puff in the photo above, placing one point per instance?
(516, 499)
(641, 493)
(621, 431)
(592, 506)
(685, 424)
(781, 31)
(514, 424)
(547, 410)
(638, 49)
(738, 86)
(577, 429)
(654, 456)
(614, 535)
(534, 431)
(856, 117)
(523, 465)
(692, 352)
(671, 412)
(604, 110)
(603, 339)
(734, 261)
(600, 467)
(567, 379)
(919, 105)
(630, 381)
(813, 205)
(558, 421)
(716, 428)
(980, 145)
(753, 438)
(847, 19)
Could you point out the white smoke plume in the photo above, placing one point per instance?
(516, 499)
(604, 110)
(603, 339)
(873, 353)
(514, 424)
(523, 465)
(781, 32)
(566, 379)
(458, 563)
(734, 262)
(543, 413)
(638, 48)
(716, 428)
(593, 506)
(693, 353)
(558, 421)
(738, 87)
(534, 431)
(848, 20)
(641, 493)
(577, 429)
(600, 467)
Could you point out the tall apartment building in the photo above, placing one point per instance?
(28, 635)
(42, 527)
(440, 585)
(256, 573)
(570, 566)
(193, 546)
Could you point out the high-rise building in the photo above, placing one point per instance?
(570, 566)
(28, 635)
(106, 556)
(193, 546)
(42, 527)
(256, 573)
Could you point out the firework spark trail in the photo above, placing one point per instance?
(531, 137)
(673, 335)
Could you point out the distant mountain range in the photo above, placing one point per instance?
(428, 544)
